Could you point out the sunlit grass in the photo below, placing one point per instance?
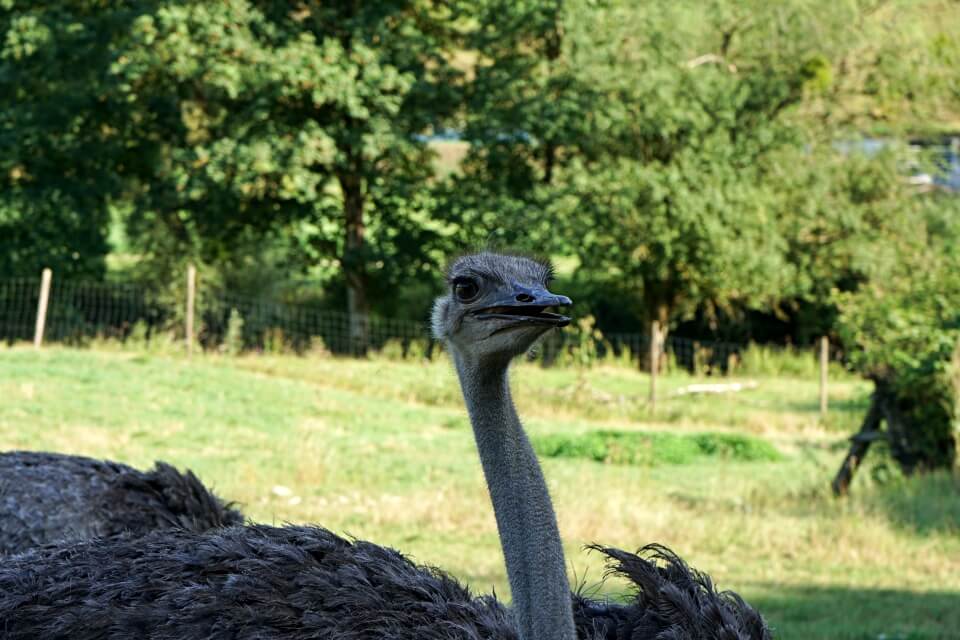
(382, 450)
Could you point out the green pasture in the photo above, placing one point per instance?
(737, 483)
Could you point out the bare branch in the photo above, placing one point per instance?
(711, 58)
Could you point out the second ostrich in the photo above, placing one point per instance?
(258, 582)
(52, 497)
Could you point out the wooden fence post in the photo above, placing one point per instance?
(824, 364)
(654, 363)
(42, 308)
(191, 303)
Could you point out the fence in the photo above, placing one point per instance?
(81, 311)
(78, 312)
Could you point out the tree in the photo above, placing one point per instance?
(892, 68)
(643, 146)
(836, 212)
(60, 135)
(903, 333)
(524, 121)
(212, 124)
(668, 146)
(261, 115)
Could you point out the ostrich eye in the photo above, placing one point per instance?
(465, 289)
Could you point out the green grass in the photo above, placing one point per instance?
(651, 449)
(382, 450)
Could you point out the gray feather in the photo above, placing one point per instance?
(50, 497)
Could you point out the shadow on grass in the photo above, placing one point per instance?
(927, 504)
(841, 411)
(837, 613)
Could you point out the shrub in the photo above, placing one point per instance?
(392, 349)
(905, 336)
(756, 360)
(275, 341)
(651, 449)
(233, 342)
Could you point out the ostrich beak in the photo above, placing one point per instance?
(527, 305)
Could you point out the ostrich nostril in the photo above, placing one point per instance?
(524, 297)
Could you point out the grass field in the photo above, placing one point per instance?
(382, 450)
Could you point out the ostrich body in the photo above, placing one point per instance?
(299, 583)
(51, 497)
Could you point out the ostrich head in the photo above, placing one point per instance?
(496, 307)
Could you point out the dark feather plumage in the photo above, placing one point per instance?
(50, 497)
(671, 602)
(261, 582)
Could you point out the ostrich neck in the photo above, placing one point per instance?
(525, 518)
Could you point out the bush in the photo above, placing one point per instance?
(275, 341)
(392, 349)
(580, 349)
(233, 342)
(652, 449)
(905, 336)
(768, 361)
(397, 349)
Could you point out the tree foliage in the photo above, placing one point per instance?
(263, 116)
(59, 134)
(684, 154)
(903, 330)
(837, 215)
(213, 124)
(646, 137)
(679, 155)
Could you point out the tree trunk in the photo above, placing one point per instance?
(859, 445)
(354, 263)
(660, 316)
(903, 435)
(549, 158)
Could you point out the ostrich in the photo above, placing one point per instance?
(297, 582)
(52, 497)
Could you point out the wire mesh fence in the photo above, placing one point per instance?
(79, 312)
(242, 323)
(18, 308)
(703, 356)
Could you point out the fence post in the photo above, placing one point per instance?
(191, 303)
(654, 362)
(824, 363)
(42, 308)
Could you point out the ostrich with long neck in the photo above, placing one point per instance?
(299, 583)
(304, 582)
(496, 310)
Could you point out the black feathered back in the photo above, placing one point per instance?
(300, 583)
(253, 582)
(50, 497)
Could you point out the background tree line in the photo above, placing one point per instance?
(679, 159)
